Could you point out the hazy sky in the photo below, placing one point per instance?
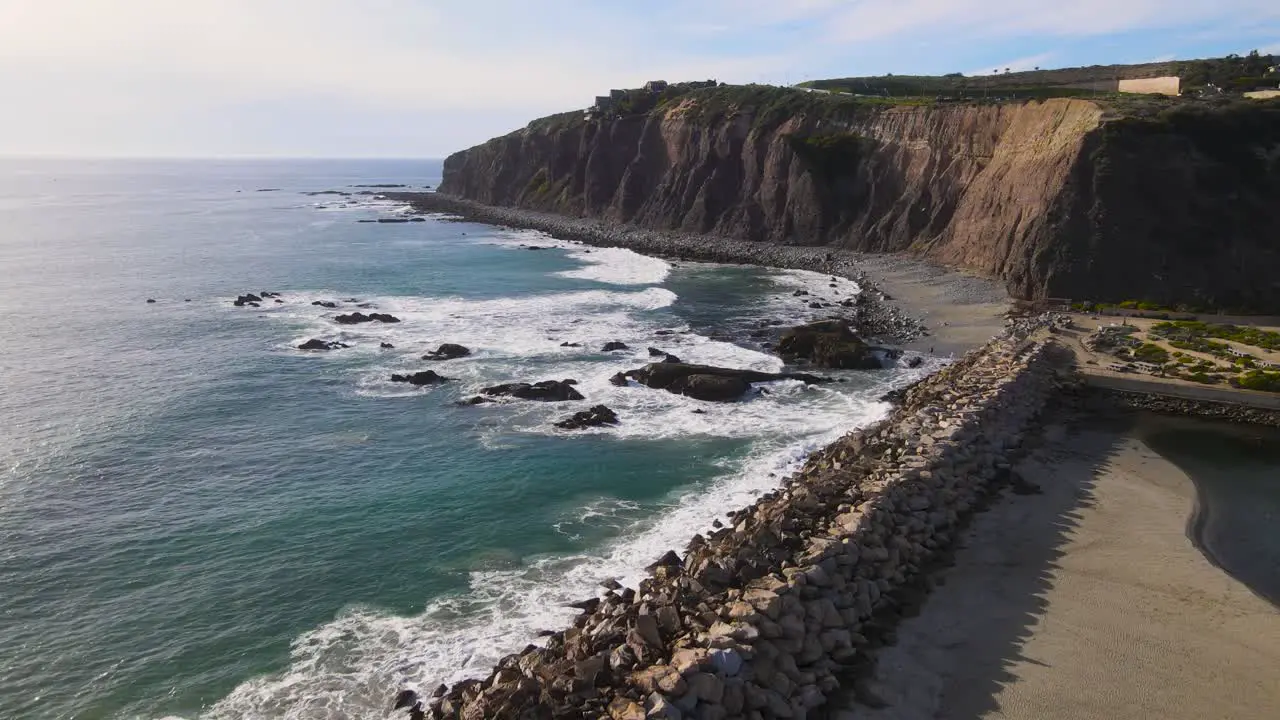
(415, 78)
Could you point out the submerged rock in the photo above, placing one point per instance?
(325, 304)
(386, 346)
(247, 299)
(546, 391)
(597, 416)
(828, 344)
(615, 345)
(423, 377)
(317, 344)
(358, 317)
(477, 400)
(448, 351)
(620, 380)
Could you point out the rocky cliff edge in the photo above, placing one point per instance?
(1059, 199)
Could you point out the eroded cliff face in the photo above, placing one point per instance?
(1050, 197)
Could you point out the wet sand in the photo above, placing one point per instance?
(1089, 600)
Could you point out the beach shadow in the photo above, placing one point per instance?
(1236, 473)
(954, 657)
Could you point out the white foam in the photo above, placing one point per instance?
(352, 666)
(615, 266)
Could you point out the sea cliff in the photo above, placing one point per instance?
(1058, 199)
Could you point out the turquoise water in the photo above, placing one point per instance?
(198, 520)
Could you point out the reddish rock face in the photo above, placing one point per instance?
(1047, 196)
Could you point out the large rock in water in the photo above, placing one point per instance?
(597, 416)
(828, 344)
(424, 377)
(706, 382)
(448, 351)
(546, 391)
(359, 317)
(317, 344)
(713, 388)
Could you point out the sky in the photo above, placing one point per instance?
(423, 78)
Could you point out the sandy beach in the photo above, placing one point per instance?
(961, 311)
(1088, 600)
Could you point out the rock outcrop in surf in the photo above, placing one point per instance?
(706, 382)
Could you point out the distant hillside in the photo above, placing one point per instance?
(1233, 73)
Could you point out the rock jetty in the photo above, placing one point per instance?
(766, 617)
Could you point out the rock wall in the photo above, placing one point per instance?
(1055, 198)
(1166, 405)
(763, 618)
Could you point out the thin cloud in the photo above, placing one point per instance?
(1018, 65)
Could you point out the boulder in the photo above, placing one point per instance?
(247, 299)
(424, 377)
(406, 698)
(570, 344)
(448, 351)
(325, 304)
(675, 377)
(358, 317)
(477, 400)
(620, 380)
(666, 356)
(269, 294)
(546, 391)
(828, 344)
(597, 416)
(713, 388)
(615, 345)
(317, 344)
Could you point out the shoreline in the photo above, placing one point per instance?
(911, 303)
(811, 575)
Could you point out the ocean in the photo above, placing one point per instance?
(198, 520)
